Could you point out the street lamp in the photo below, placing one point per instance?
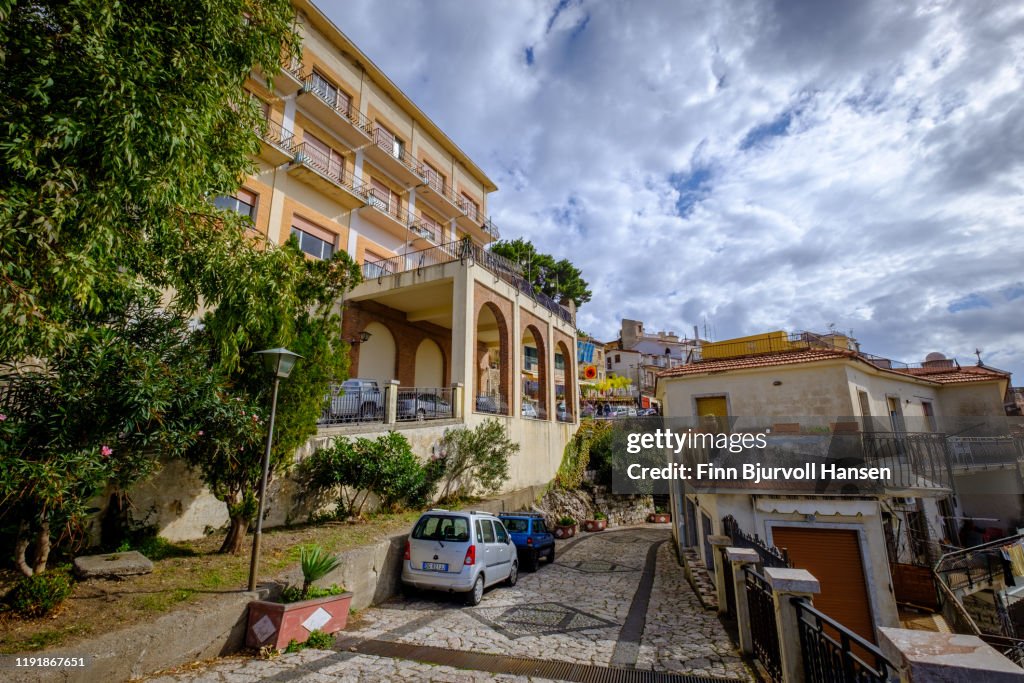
(280, 362)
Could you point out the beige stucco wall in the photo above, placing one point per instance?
(817, 389)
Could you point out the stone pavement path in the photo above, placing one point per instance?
(612, 599)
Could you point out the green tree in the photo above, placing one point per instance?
(121, 120)
(301, 310)
(560, 280)
(101, 411)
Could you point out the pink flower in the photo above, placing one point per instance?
(106, 451)
(3, 418)
(255, 418)
(200, 432)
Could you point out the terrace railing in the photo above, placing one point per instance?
(833, 653)
(322, 164)
(464, 250)
(980, 451)
(274, 133)
(342, 106)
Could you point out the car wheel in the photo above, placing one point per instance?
(532, 560)
(551, 555)
(474, 596)
(421, 415)
(368, 410)
(513, 576)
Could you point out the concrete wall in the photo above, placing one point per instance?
(993, 494)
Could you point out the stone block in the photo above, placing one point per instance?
(791, 580)
(112, 565)
(748, 555)
(947, 657)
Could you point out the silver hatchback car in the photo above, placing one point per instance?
(459, 552)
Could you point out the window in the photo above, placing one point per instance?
(383, 198)
(517, 526)
(485, 532)
(468, 206)
(313, 239)
(324, 159)
(559, 362)
(529, 358)
(434, 178)
(538, 527)
(441, 527)
(320, 85)
(244, 203)
(499, 531)
(387, 141)
(264, 107)
(618, 359)
(431, 227)
(929, 415)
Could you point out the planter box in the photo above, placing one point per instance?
(565, 531)
(275, 624)
(659, 518)
(595, 524)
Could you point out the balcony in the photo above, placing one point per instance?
(385, 213)
(337, 113)
(288, 80)
(424, 234)
(392, 157)
(313, 167)
(473, 221)
(440, 196)
(275, 143)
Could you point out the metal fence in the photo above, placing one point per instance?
(274, 133)
(342, 105)
(764, 631)
(978, 565)
(359, 406)
(424, 403)
(493, 403)
(332, 170)
(832, 653)
(975, 451)
(917, 460)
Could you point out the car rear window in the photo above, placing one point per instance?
(516, 526)
(538, 527)
(441, 528)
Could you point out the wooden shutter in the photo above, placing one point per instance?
(712, 405)
(833, 556)
(246, 196)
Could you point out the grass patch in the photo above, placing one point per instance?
(46, 638)
(161, 602)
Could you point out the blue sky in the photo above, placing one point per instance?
(758, 165)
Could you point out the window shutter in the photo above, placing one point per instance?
(314, 229)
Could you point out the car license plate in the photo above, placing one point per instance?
(435, 567)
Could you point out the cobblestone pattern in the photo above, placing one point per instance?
(679, 635)
(324, 666)
(572, 611)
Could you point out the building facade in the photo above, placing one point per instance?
(349, 162)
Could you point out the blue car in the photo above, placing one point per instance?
(531, 538)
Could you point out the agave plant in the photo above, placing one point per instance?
(316, 564)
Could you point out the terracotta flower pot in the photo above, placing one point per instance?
(565, 531)
(595, 524)
(659, 518)
(276, 624)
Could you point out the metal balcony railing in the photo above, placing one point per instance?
(426, 229)
(464, 250)
(387, 142)
(326, 167)
(831, 652)
(274, 133)
(343, 107)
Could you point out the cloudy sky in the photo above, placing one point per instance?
(751, 165)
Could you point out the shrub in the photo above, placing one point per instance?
(39, 594)
(474, 459)
(386, 467)
(600, 515)
(566, 521)
(319, 640)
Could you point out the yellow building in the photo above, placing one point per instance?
(349, 162)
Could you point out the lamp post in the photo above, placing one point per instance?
(279, 361)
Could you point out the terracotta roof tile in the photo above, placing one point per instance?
(757, 361)
(942, 375)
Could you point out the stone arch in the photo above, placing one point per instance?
(377, 355)
(493, 368)
(428, 365)
(534, 386)
(568, 394)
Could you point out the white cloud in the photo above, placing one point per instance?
(849, 162)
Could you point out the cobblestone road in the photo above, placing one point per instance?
(617, 598)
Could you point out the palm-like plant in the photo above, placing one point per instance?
(316, 564)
